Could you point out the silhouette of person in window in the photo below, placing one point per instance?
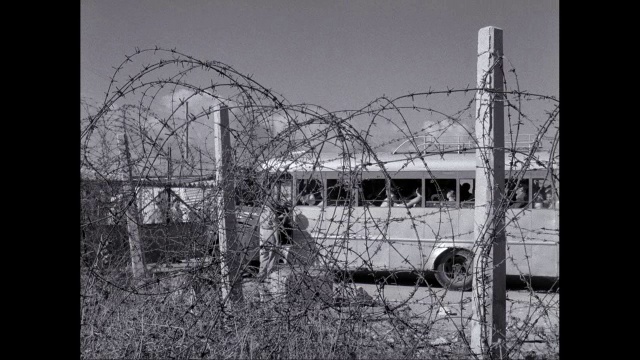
(521, 197)
(465, 192)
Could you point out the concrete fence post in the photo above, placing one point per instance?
(489, 268)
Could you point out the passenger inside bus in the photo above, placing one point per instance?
(372, 192)
(441, 192)
(538, 200)
(177, 214)
(542, 195)
(338, 192)
(467, 196)
(520, 197)
(417, 200)
(549, 198)
(451, 195)
(407, 192)
(309, 192)
(310, 200)
(465, 193)
(393, 201)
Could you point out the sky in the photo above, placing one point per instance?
(337, 54)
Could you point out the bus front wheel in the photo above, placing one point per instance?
(454, 270)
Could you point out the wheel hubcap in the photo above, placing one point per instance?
(456, 269)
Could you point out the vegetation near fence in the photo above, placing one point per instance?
(149, 187)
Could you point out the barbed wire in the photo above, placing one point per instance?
(335, 293)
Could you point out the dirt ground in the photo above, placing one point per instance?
(532, 316)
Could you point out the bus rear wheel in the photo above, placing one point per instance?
(454, 270)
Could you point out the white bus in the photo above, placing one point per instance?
(342, 213)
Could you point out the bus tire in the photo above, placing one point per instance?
(454, 270)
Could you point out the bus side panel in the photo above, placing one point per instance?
(544, 226)
(309, 234)
(532, 243)
(385, 238)
(408, 254)
(328, 232)
(545, 261)
(357, 230)
(519, 251)
(519, 257)
(416, 231)
(532, 239)
(373, 247)
(403, 229)
(544, 235)
(441, 224)
(465, 225)
(372, 253)
(331, 238)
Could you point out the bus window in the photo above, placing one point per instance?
(542, 194)
(517, 192)
(338, 192)
(283, 186)
(406, 192)
(467, 193)
(441, 192)
(309, 192)
(373, 192)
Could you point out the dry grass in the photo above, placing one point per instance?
(171, 321)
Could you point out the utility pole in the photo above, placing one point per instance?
(488, 323)
(225, 208)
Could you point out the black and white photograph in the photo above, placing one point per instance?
(297, 179)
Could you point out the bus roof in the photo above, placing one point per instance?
(406, 162)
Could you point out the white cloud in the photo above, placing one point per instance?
(278, 123)
(196, 101)
(445, 127)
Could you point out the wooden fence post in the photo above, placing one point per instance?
(132, 215)
(225, 209)
(489, 267)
